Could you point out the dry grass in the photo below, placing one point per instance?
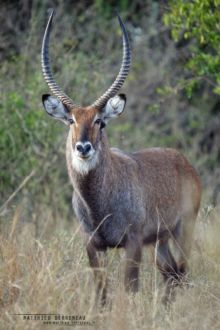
(50, 274)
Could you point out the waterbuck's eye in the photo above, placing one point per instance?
(71, 121)
(98, 121)
(102, 125)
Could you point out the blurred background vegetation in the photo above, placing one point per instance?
(173, 90)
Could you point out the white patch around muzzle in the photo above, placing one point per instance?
(83, 165)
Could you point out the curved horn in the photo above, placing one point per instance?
(125, 67)
(45, 63)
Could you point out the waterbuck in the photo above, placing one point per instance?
(124, 199)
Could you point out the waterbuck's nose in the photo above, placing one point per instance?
(83, 148)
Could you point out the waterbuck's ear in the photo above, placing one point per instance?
(114, 107)
(55, 108)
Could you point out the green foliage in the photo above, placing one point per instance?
(106, 7)
(198, 22)
(26, 137)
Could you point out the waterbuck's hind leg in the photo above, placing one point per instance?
(182, 242)
(133, 258)
(97, 261)
(168, 268)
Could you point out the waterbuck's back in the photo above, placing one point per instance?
(170, 187)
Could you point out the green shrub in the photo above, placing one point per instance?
(198, 22)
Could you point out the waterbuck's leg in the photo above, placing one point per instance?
(182, 239)
(167, 266)
(97, 261)
(133, 259)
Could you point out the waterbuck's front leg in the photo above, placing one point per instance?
(133, 259)
(97, 261)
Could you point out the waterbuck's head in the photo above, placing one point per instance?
(85, 123)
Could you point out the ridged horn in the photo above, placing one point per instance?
(125, 67)
(45, 63)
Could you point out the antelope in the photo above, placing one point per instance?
(124, 200)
